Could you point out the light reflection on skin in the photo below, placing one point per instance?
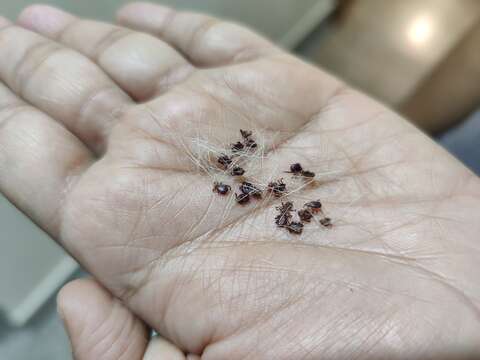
(420, 30)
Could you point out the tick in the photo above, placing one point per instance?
(245, 134)
(224, 160)
(250, 189)
(283, 219)
(248, 142)
(305, 215)
(295, 169)
(307, 174)
(314, 206)
(327, 222)
(242, 198)
(237, 147)
(221, 188)
(295, 227)
(237, 171)
(285, 207)
(278, 188)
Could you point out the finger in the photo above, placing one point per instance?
(159, 348)
(62, 83)
(98, 326)
(39, 160)
(205, 40)
(141, 64)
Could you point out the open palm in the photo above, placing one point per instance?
(105, 135)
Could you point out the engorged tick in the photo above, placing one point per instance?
(221, 188)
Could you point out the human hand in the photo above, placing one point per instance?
(101, 327)
(98, 149)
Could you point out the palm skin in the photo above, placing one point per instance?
(396, 276)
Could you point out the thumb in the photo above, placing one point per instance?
(100, 327)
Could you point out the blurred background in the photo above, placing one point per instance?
(420, 57)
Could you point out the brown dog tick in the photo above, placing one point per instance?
(284, 217)
(327, 222)
(242, 198)
(285, 207)
(237, 171)
(245, 134)
(237, 147)
(295, 169)
(283, 220)
(250, 189)
(250, 144)
(307, 174)
(278, 188)
(221, 188)
(295, 227)
(224, 160)
(305, 215)
(314, 206)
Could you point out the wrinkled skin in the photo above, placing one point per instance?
(97, 123)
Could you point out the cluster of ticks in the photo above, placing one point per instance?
(278, 188)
